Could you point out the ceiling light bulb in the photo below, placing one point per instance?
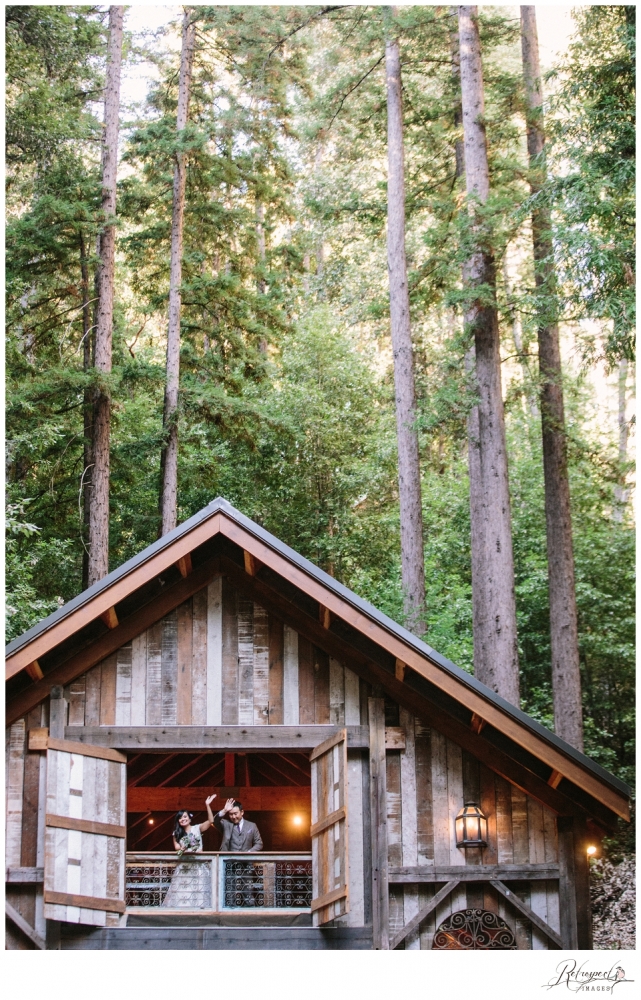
(297, 821)
(591, 850)
(151, 822)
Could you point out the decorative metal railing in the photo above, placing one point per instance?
(215, 882)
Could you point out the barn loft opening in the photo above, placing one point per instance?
(275, 789)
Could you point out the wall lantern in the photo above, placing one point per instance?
(471, 827)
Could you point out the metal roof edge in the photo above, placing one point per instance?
(220, 505)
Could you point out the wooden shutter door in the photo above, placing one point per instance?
(85, 830)
(329, 829)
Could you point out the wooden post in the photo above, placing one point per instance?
(574, 883)
(378, 812)
(57, 723)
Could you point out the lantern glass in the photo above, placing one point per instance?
(471, 827)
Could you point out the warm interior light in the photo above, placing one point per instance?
(297, 820)
(151, 822)
(471, 826)
(592, 849)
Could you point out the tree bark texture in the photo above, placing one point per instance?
(169, 457)
(99, 513)
(409, 476)
(494, 606)
(88, 361)
(566, 676)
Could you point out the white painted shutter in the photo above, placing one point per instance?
(85, 831)
(329, 829)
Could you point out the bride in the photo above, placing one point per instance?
(190, 886)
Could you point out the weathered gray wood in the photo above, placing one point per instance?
(472, 873)
(422, 914)
(229, 738)
(214, 652)
(57, 713)
(22, 924)
(290, 677)
(25, 876)
(523, 908)
(567, 893)
(15, 784)
(378, 811)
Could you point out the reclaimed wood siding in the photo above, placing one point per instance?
(218, 659)
(426, 786)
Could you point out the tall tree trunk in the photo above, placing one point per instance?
(87, 363)
(409, 476)
(566, 676)
(517, 337)
(621, 492)
(169, 457)
(494, 607)
(99, 512)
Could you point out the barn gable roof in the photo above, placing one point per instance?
(111, 612)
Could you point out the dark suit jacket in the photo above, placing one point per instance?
(251, 840)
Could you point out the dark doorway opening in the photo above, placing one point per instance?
(275, 789)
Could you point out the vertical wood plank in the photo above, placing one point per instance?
(89, 811)
(355, 838)
(336, 693)
(394, 817)
(76, 697)
(169, 668)
(378, 829)
(199, 659)
(15, 786)
(92, 696)
(352, 698)
(215, 652)
(184, 637)
(154, 674)
(261, 666)
(139, 680)
(230, 655)
(458, 899)
(306, 712)
(321, 686)
(472, 793)
(123, 685)
(290, 677)
(538, 890)
(30, 802)
(489, 855)
(520, 835)
(409, 830)
(441, 819)
(108, 691)
(504, 822)
(276, 642)
(245, 661)
(424, 819)
(114, 813)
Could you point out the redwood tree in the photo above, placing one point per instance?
(99, 510)
(409, 477)
(493, 600)
(566, 675)
(169, 457)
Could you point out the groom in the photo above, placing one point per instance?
(239, 834)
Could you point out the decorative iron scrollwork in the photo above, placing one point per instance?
(474, 930)
(180, 885)
(267, 884)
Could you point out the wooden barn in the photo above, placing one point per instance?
(401, 803)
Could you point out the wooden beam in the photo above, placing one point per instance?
(38, 738)
(85, 826)
(254, 799)
(574, 882)
(184, 565)
(20, 922)
(428, 874)
(230, 769)
(70, 746)
(108, 598)
(86, 902)
(110, 618)
(431, 671)
(523, 908)
(132, 626)
(34, 671)
(25, 876)
(378, 813)
(476, 723)
(555, 779)
(222, 738)
(324, 616)
(400, 670)
(422, 914)
(252, 565)
(329, 897)
(394, 738)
